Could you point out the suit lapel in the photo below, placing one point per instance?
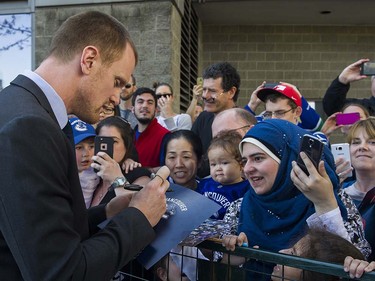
(29, 86)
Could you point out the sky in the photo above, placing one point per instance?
(14, 60)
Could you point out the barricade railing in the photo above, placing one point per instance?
(208, 270)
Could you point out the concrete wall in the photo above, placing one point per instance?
(154, 26)
(307, 56)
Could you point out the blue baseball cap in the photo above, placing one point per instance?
(81, 130)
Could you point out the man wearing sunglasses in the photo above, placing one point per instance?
(126, 102)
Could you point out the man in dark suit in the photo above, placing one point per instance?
(45, 231)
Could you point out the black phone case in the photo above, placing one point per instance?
(104, 144)
(313, 148)
(368, 68)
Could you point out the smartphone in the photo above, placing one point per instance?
(341, 150)
(200, 81)
(347, 118)
(313, 148)
(133, 187)
(104, 144)
(368, 68)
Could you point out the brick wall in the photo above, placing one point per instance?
(307, 56)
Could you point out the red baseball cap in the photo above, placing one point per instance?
(284, 89)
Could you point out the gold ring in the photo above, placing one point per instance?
(156, 175)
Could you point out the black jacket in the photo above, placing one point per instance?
(335, 98)
(44, 225)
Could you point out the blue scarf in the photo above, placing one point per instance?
(273, 220)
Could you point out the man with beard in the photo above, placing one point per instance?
(149, 134)
(125, 105)
(221, 83)
(46, 233)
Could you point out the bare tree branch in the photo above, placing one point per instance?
(8, 28)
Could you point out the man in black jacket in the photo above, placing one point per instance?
(45, 231)
(335, 96)
(221, 87)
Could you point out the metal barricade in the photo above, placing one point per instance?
(208, 270)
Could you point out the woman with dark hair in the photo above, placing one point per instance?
(183, 155)
(109, 169)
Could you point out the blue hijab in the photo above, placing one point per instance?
(274, 219)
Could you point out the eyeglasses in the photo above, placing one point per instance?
(277, 114)
(240, 128)
(129, 85)
(107, 110)
(164, 95)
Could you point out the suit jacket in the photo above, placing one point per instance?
(44, 225)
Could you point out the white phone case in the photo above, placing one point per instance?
(341, 150)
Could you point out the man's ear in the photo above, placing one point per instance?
(298, 111)
(231, 92)
(90, 56)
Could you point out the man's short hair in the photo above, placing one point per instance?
(141, 91)
(229, 75)
(245, 115)
(91, 28)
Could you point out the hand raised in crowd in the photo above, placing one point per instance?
(356, 267)
(151, 200)
(108, 168)
(254, 102)
(231, 241)
(329, 125)
(165, 105)
(129, 165)
(317, 187)
(197, 91)
(352, 73)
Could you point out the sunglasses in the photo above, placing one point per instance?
(129, 85)
(164, 95)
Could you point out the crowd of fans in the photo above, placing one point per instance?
(243, 161)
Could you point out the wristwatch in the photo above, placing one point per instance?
(118, 182)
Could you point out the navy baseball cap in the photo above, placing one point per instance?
(81, 130)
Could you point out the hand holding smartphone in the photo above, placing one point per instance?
(200, 81)
(313, 148)
(341, 150)
(104, 144)
(368, 68)
(347, 118)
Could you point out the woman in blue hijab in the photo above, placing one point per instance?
(274, 211)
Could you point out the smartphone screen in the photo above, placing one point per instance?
(347, 118)
(368, 68)
(313, 148)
